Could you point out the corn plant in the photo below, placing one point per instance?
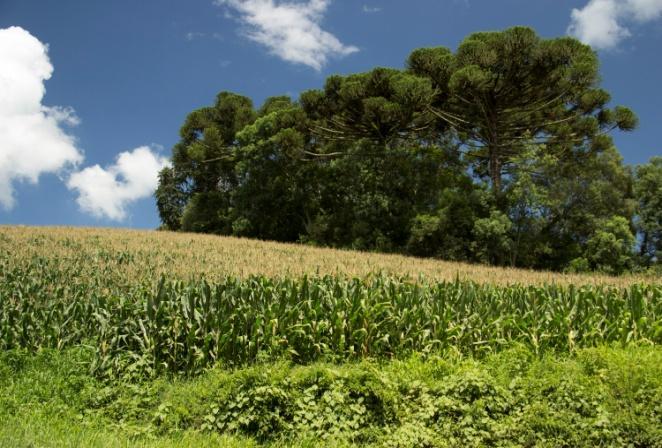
(184, 326)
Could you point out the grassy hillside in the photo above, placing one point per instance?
(135, 255)
(139, 338)
(607, 397)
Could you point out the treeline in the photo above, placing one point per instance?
(498, 153)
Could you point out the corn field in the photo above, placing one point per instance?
(183, 326)
(131, 256)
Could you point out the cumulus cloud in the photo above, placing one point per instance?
(32, 139)
(290, 30)
(605, 23)
(107, 192)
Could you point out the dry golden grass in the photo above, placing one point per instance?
(141, 254)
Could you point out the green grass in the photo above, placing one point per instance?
(37, 430)
(595, 397)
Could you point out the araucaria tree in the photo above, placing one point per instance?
(499, 153)
(502, 91)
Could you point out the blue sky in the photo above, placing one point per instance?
(129, 72)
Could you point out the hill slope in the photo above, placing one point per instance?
(137, 254)
(101, 344)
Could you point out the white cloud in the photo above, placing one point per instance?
(192, 35)
(32, 141)
(196, 35)
(290, 30)
(108, 192)
(604, 23)
(371, 9)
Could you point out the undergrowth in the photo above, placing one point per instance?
(595, 397)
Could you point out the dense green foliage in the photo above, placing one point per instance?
(497, 153)
(648, 191)
(597, 397)
(96, 351)
(182, 327)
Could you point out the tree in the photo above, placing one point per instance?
(383, 106)
(648, 193)
(387, 157)
(503, 90)
(497, 153)
(170, 199)
(611, 248)
(203, 165)
(276, 187)
(492, 240)
(556, 204)
(447, 230)
(530, 205)
(370, 196)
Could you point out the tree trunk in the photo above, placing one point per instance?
(495, 171)
(644, 247)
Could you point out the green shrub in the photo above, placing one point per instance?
(597, 397)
